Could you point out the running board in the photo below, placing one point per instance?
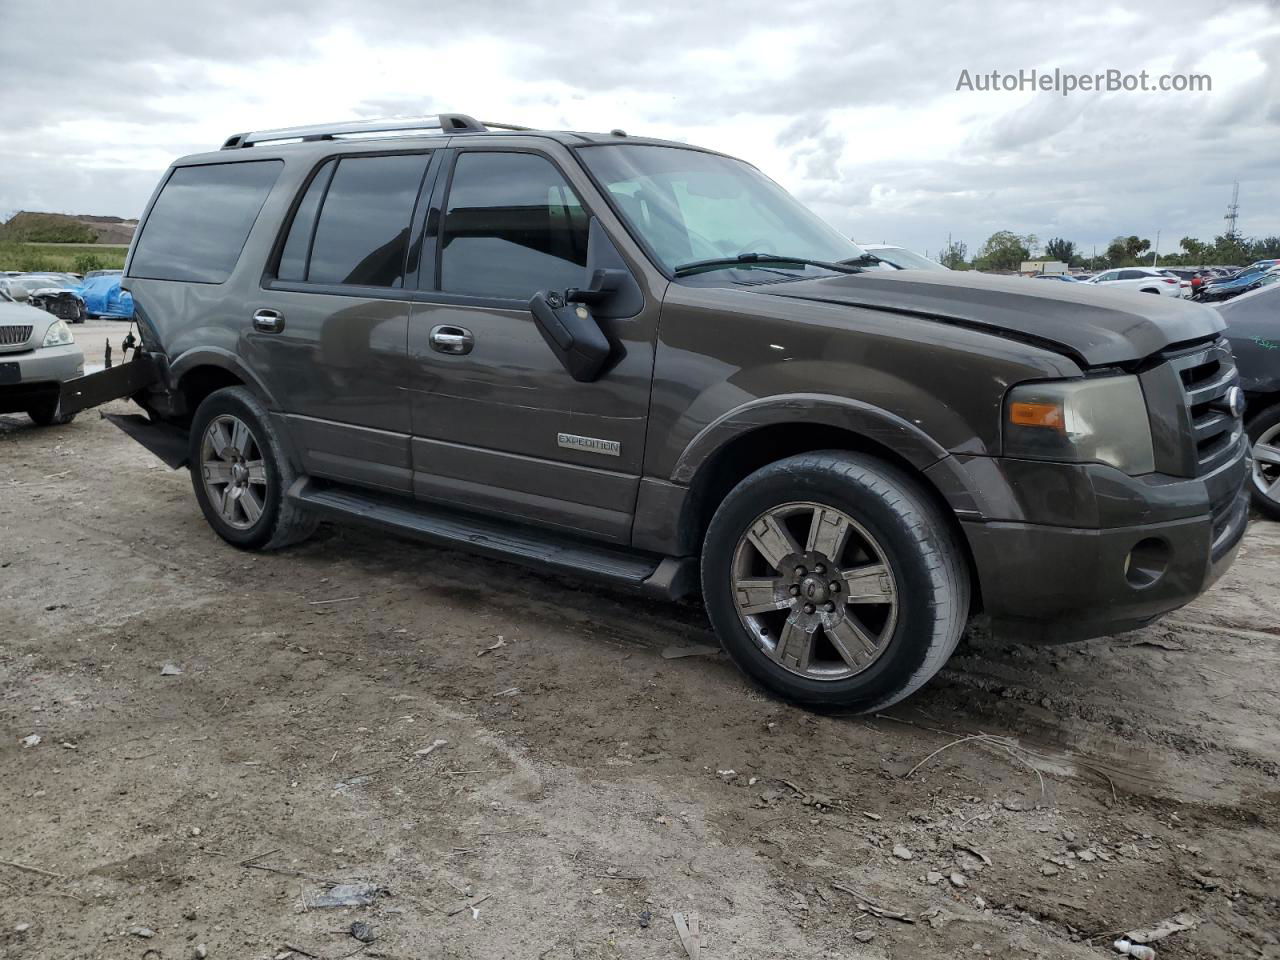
(668, 578)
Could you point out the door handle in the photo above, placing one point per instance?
(450, 339)
(268, 321)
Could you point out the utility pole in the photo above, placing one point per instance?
(1233, 209)
(1155, 251)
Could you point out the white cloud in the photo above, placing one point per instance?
(851, 106)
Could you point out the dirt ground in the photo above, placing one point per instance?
(586, 787)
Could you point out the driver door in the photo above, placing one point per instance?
(498, 424)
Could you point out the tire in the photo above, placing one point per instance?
(48, 415)
(898, 554)
(1264, 482)
(249, 510)
(1151, 290)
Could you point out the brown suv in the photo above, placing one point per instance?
(645, 362)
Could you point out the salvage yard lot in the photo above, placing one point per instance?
(588, 786)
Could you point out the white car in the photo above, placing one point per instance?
(1141, 279)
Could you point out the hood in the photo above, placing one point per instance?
(1095, 326)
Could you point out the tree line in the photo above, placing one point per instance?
(1006, 250)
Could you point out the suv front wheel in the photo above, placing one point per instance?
(834, 580)
(240, 473)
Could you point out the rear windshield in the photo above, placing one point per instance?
(201, 219)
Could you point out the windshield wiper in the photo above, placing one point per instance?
(720, 263)
(866, 260)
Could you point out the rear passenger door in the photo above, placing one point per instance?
(329, 329)
(498, 423)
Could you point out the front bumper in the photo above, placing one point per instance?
(1051, 583)
(39, 375)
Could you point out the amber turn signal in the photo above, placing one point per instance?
(1025, 413)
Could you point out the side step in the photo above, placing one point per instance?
(669, 578)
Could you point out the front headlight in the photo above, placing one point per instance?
(58, 335)
(1080, 421)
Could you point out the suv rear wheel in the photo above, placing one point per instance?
(240, 473)
(834, 580)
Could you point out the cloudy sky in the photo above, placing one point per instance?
(853, 106)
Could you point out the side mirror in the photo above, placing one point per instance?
(571, 332)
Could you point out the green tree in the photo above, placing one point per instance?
(84, 262)
(1004, 250)
(1268, 248)
(954, 255)
(1125, 251)
(1197, 250)
(1060, 249)
(1231, 248)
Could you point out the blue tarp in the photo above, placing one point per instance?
(104, 298)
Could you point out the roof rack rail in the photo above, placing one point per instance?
(444, 123)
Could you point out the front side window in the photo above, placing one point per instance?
(512, 226)
(362, 233)
(690, 206)
(199, 223)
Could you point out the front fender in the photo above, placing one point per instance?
(884, 428)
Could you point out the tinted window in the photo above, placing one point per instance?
(201, 220)
(293, 259)
(512, 226)
(363, 230)
(1133, 275)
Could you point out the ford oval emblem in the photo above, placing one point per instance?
(1235, 401)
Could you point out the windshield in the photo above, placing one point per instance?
(690, 206)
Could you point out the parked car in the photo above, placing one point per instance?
(901, 257)
(1064, 277)
(102, 273)
(1253, 327)
(103, 297)
(44, 293)
(1224, 289)
(37, 353)
(517, 343)
(1143, 279)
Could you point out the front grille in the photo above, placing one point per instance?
(12, 336)
(64, 308)
(1207, 374)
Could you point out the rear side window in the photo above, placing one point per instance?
(201, 219)
(512, 226)
(297, 246)
(362, 234)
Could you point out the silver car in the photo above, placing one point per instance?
(37, 353)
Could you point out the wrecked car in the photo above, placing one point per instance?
(645, 363)
(46, 294)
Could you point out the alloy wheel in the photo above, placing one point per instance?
(234, 472)
(815, 591)
(1266, 463)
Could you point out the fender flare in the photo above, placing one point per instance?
(183, 364)
(887, 429)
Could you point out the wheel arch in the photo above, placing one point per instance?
(709, 470)
(197, 373)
